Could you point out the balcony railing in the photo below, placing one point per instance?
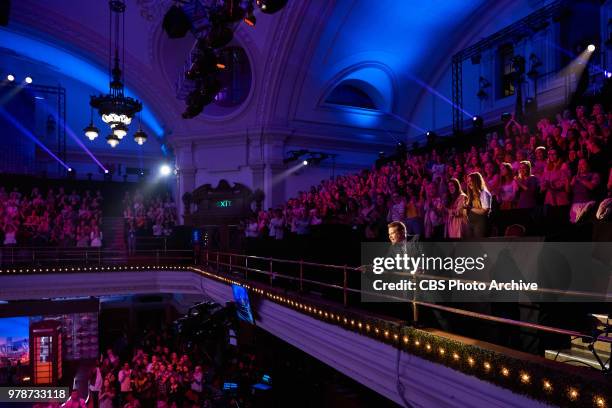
(37, 256)
(340, 282)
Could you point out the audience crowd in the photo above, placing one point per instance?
(50, 218)
(152, 215)
(520, 180)
(160, 373)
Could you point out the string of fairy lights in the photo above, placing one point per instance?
(529, 378)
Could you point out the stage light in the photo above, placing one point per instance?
(305, 162)
(250, 19)
(591, 48)
(573, 394)
(478, 122)
(165, 170)
(105, 171)
(271, 6)
(176, 23)
(69, 169)
(219, 36)
(28, 80)
(10, 77)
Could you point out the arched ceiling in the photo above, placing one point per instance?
(297, 55)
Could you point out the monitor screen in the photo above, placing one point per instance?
(243, 306)
(14, 340)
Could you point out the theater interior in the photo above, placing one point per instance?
(305, 203)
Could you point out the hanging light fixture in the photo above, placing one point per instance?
(115, 108)
(119, 130)
(90, 130)
(140, 136)
(112, 140)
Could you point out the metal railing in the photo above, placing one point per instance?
(298, 275)
(51, 256)
(338, 281)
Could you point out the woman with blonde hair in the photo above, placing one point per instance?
(478, 206)
(457, 221)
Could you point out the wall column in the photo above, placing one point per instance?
(266, 154)
(185, 177)
(186, 184)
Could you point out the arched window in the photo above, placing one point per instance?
(350, 95)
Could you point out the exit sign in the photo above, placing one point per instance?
(224, 203)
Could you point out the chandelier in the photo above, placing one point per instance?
(116, 109)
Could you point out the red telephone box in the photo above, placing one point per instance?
(46, 352)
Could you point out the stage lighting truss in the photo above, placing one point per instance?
(213, 22)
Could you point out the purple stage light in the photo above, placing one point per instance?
(439, 95)
(412, 125)
(29, 134)
(60, 121)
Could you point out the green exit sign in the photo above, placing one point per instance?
(224, 203)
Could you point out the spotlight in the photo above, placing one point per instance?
(28, 80)
(69, 169)
(250, 19)
(271, 6)
(233, 11)
(165, 170)
(305, 162)
(294, 155)
(591, 48)
(10, 77)
(176, 23)
(112, 140)
(478, 122)
(105, 171)
(219, 36)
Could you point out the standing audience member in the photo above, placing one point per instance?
(478, 206)
(457, 220)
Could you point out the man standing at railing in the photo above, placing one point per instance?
(400, 246)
